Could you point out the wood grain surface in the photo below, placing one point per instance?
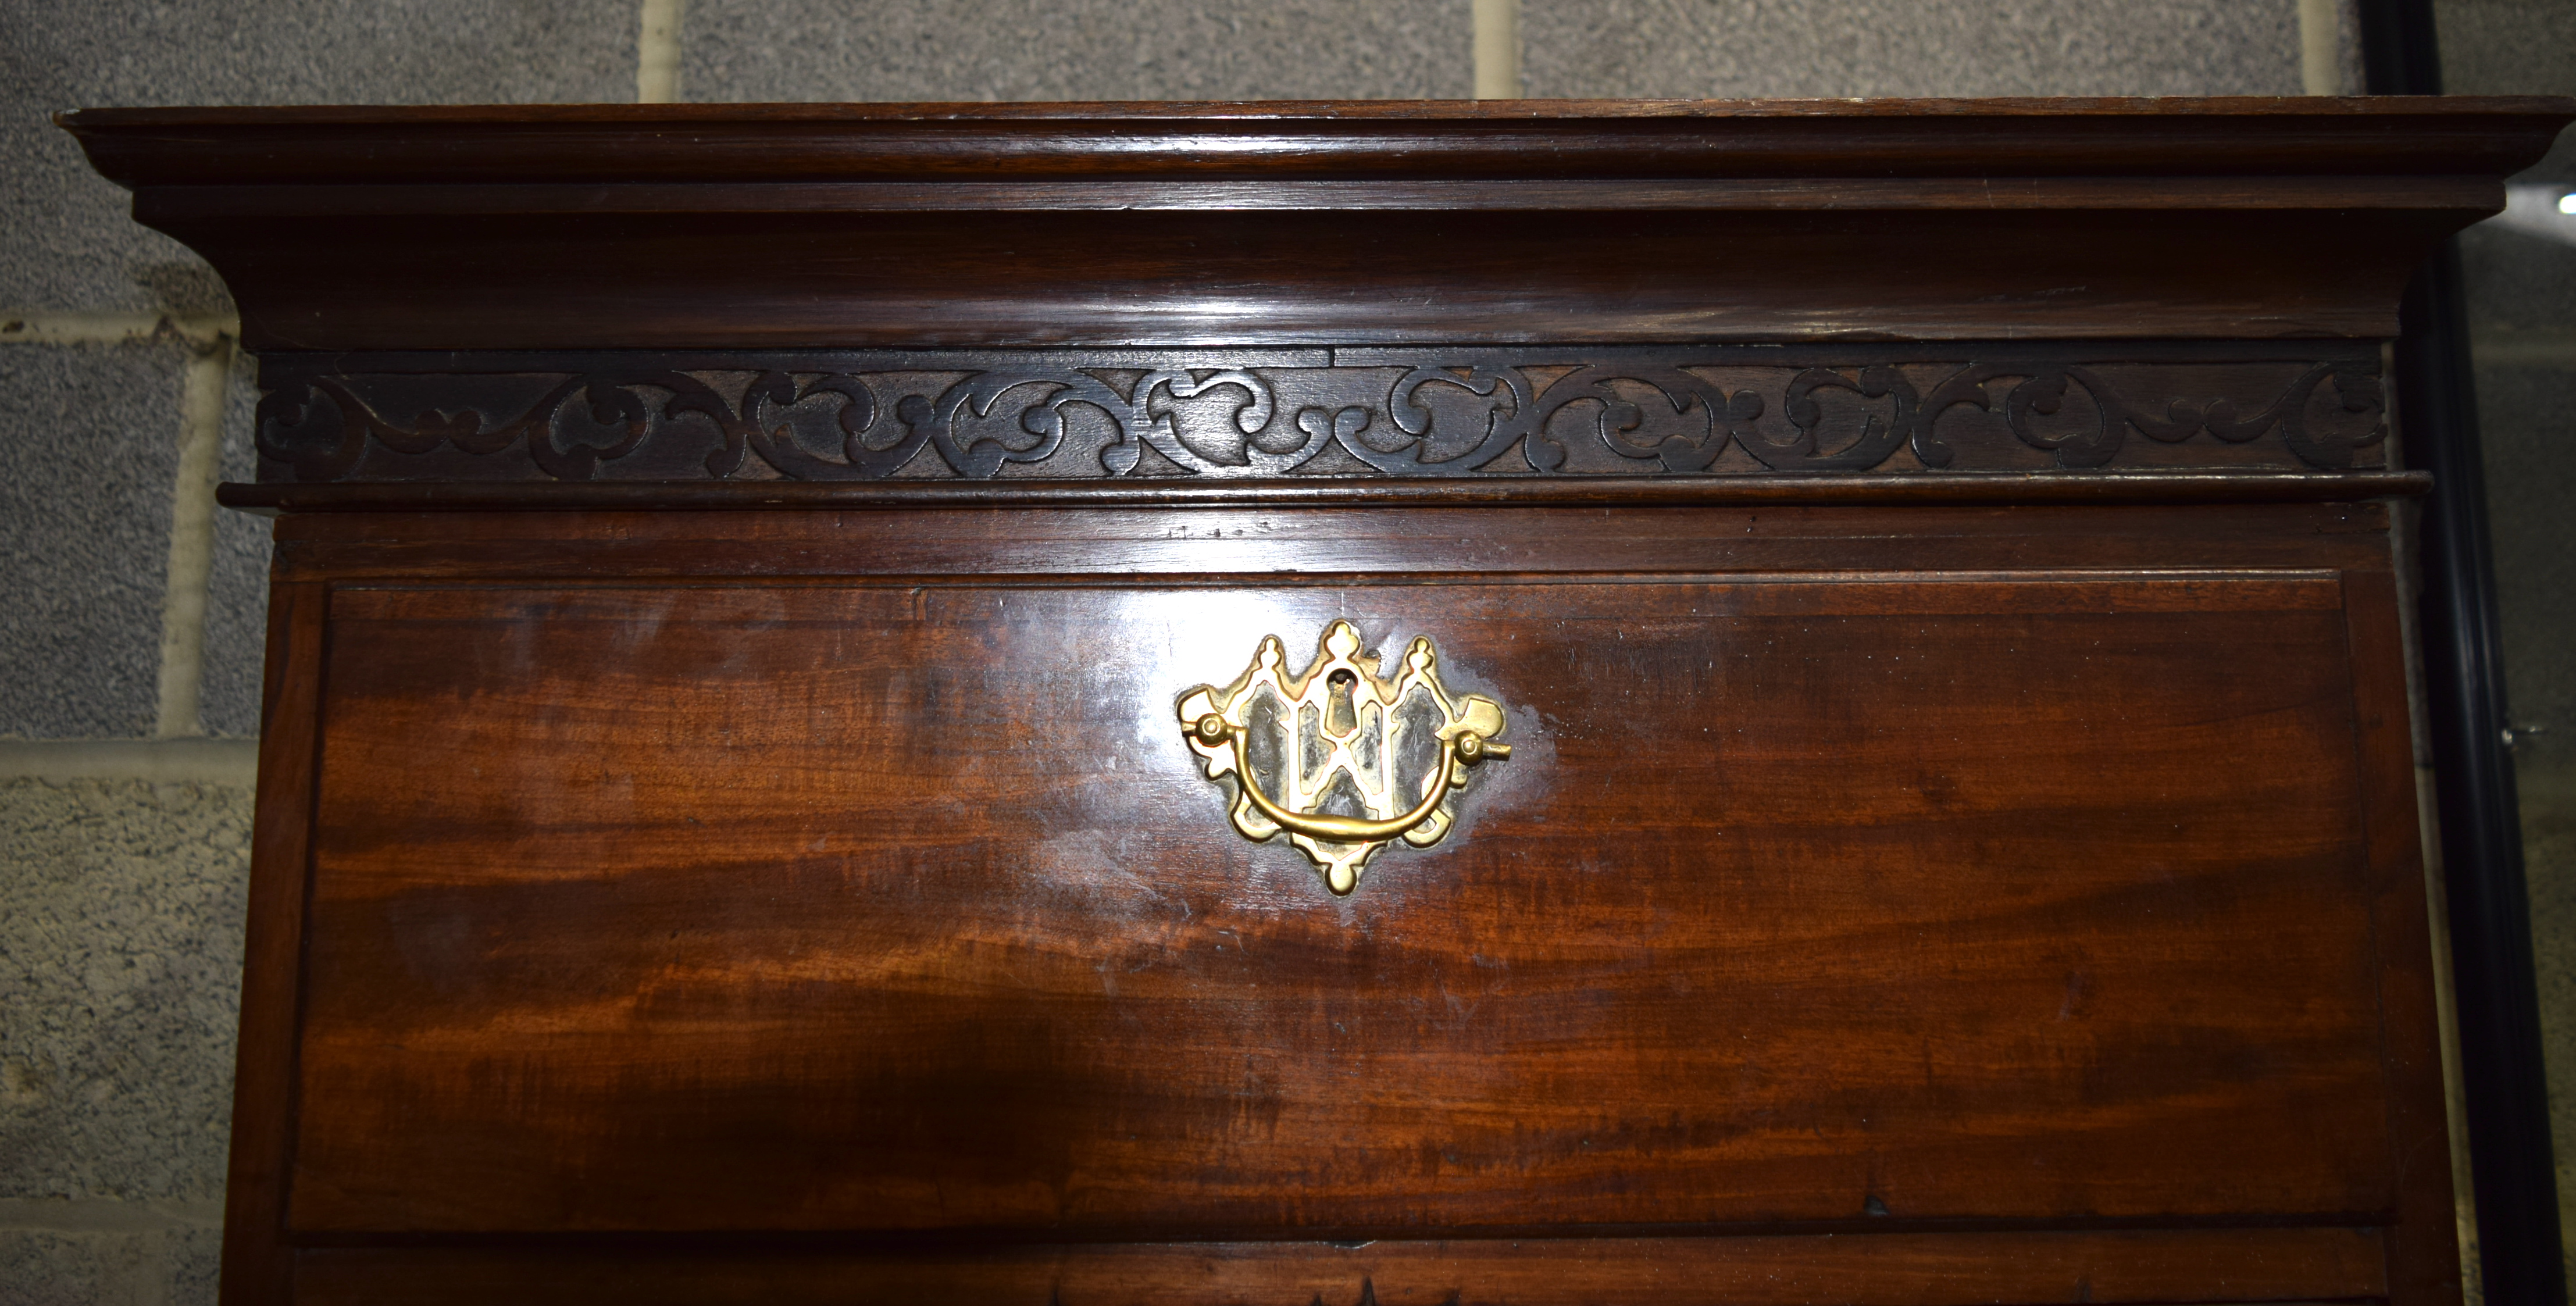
(693, 914)
(901, 907)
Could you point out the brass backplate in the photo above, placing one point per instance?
(1341, 759)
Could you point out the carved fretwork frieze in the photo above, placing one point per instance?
(1427, 412)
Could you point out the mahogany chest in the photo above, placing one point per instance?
(1657, 703)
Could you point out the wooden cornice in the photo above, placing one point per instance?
(977, 226)
(1315, 140)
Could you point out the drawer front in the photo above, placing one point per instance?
(904, 907)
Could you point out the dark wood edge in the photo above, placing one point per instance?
(257, 1265)
(2253, 136)
(2296, 1264)
(2423, 1247)
(284, 366)
(1607, 492)
(1115, 546)
(2477, 194)
(1006, 1240)
(2009, 106)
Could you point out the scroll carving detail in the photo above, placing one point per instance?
(829, 417)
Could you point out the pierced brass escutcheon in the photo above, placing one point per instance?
(1342, 731)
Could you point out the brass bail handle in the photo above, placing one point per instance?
(1360, 715)
(1466, 746)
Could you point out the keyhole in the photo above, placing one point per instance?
(1340, 717)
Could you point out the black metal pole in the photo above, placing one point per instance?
(2503, 1085)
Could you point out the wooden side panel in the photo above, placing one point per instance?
(2424, 1252)
(900, 907)
(256, 1261)
(2252, 1265)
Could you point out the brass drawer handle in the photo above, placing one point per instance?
(1361, 723)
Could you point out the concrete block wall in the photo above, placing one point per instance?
(131, 613)
(131, 620)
